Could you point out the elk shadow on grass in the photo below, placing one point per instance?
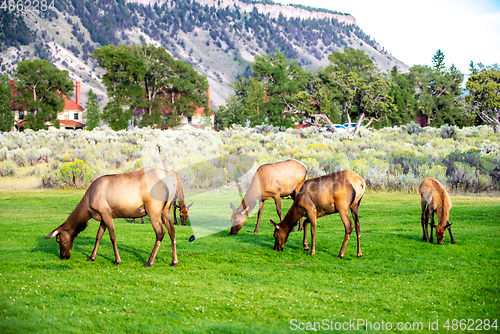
(83, 245)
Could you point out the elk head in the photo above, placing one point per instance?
(440, 232)
(280, 237)
(65, 241)
(237, 219)
(183, 212)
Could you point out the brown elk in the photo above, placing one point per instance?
(274, 180)
(128, 195)
(321, 196)
(435, 198)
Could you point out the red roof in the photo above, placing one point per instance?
(302, 126)
(201, 111)
(69, 122)
(69, 104)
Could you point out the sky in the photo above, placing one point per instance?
(412, 31)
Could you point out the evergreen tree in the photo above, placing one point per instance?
(281, 79)
(438, 61)
(6, 115)
(439, 94)
(93, 112)
(406, 105)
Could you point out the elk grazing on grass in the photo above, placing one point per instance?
(274, 180)
(128, 195)
(321, 196)
(434, 198)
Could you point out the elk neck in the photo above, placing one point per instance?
(78, 219)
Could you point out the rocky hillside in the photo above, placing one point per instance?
(220, 38)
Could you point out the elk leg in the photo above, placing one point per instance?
(313, 234)
(175, 213)
(431, 214)
(344, 215)
(100, 233)
(160, 233)
(171, 233)
(354, 212)
(304, 242)
(259, 215)
(277, 202)
(108, 221)
(301, 225)
(451, 236)
(424, 219)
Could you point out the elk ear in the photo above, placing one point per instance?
(276, 226)
(189, 206)
(447, 225)
(232, 206)
(52, 234)
(432, 225)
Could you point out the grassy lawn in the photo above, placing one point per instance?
(238, 284)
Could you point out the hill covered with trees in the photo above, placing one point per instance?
(219, 40)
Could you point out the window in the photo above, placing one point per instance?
(66, 115)
(75, 116)
(21, 114)
(190, 119)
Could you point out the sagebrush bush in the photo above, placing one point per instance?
(414, 128)
(7, 167)
(447, 131)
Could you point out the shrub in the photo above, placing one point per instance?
(447, 131)
(7, 168)
(413, 128)
(407, 160)
(75, 174)
(467, 178)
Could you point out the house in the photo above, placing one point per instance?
(71, 118)
(199, 117)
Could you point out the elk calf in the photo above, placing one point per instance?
(434, 198)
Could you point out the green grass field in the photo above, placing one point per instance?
(238, 284)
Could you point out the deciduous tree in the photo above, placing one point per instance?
(6, 115)
(360, 89)
(40, 91)
(484, 96)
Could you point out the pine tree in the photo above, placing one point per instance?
(93, 111)
(438, 61)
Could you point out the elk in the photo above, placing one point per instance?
(175, 206)
(274, 180)
(435, 198)
(127, 195)
(321, 196)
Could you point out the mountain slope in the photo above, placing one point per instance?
(219, 38)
